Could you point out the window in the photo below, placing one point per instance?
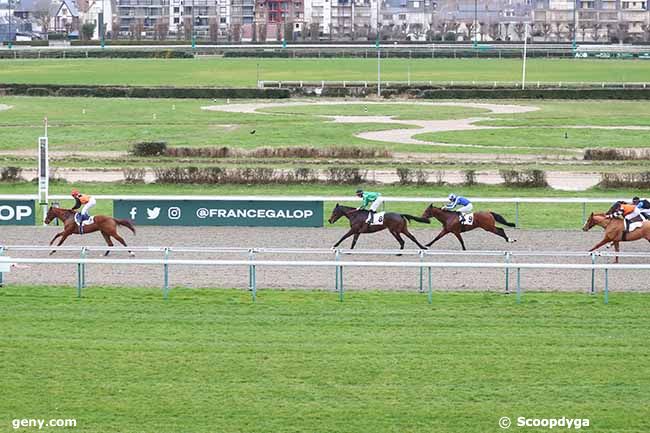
(416, 4)
(402, 17)
(222, 20)
(176, 20)
(176, 10)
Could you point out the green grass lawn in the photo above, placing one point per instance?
(211, 360)
(244, 72)
(93, 124)
(531, 216)
(545, 138)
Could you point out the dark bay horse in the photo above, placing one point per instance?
(395, 223)
(105, 224)
(614, 231)
(450, 223)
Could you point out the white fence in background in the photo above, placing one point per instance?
(6, 262)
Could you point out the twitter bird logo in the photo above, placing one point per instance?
(154, 213)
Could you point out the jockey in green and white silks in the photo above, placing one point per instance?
(371, 202)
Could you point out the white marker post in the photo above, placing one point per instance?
(523, 72)
(43, 172)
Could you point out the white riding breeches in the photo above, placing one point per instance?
(633, 214)
(466, 209)
(375, 204)
(91, 203)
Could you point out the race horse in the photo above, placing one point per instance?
(451, 223)
(396, 224)
(615, 231)
(105, 224)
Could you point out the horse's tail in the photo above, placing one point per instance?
(414, 218)
(126, 223)
(501, 220)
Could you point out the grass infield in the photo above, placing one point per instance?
(210, 360)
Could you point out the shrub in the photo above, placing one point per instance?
(10, 174)
(421, 177)
(616, 154)
(149, 148)
(346, 175)
(527, 178)
(134, 175)
(470, 177)
(405, 175)
(247, 175)
(625, 180)
(277, 152)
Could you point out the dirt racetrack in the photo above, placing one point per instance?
(322, 278)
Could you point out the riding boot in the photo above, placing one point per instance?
(461, 218)
(371, 216)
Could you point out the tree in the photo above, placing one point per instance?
(494, 31)
(314, 31)
(545, 31)
(139, 28)
(646, 31)
(43, 14)
(583, 30)
(161, 30)
(595, 35)
(213, 29)
(623, 32)
(520, 30)
(87, 31)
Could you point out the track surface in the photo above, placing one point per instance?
(321, 278)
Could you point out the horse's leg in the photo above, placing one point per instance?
(56, 237)
(354, 240)
(460, 239)
(499, 231)
(64, 236)
(600, 244)
(408, 234)
(441, 234)
(120, 240)
(109, 242)
(345, 236)
(617, 249)
(399, 239)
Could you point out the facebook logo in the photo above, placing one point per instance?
(133, 212)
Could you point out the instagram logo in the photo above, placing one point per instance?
(174, 213)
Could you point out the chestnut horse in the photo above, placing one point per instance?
(451, 224)
(395, 223)
(614, 231)
(105, 224)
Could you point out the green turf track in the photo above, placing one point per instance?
(244, 72)
(124, 360)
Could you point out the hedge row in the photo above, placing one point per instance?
(472, 93)
(392, 53)
(77, 54)
(139, 92)
(616, 154)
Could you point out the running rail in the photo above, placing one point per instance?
(337, 263)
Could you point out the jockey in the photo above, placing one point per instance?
(83, 200)
(627, 211)
(466, 206)
(374, 199)
(643, 206)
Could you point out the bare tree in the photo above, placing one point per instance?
(583, 30)
(507, 31)
(595, 35)
(469, 25)
(418, 30)
(520, 30)
(494, 31)
(261, 33)
(187, 28)
(43, 14)
(213, 29)
(623, 32)
(646, 31)
(161, 30)
(546, 31)
(314, 31)
(139, 27)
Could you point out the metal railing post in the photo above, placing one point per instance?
(2, 252)
(84, 252)
(518, 285)
(606, 286)
(508, 258)
(430, 287)
(584, 213)
(166, 275)
(593, 274)
(421, 254)
(252, 275)
(339, 276)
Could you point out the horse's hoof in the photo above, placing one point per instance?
(131, 253)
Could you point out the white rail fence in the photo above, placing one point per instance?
(252, 262)
(517, 201)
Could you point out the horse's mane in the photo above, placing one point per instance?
(345, 208)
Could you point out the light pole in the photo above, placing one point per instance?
(192, 26)
(11, 15)
(575, 26)
(475, 22)
(101, 26)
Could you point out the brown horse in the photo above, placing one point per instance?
(451, 224)
(105, 224)
(395, 223)
(614, 231)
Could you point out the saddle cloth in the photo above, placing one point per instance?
(634, 224)
(378, 219)
(469, 219)
(86, 222)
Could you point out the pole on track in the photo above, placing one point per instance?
(166, 275)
